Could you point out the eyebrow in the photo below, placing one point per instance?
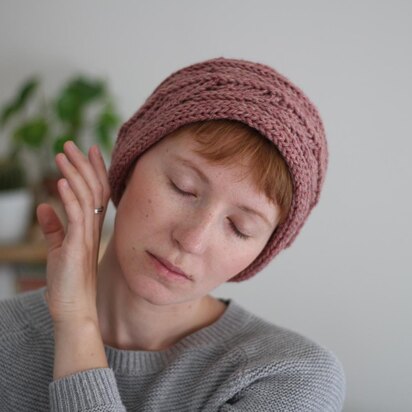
(190, 164)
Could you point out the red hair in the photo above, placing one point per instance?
(230, 142)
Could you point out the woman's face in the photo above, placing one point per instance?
(197, 232)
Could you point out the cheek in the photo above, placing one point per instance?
(144, 213)
(228, 262)
(135, 207)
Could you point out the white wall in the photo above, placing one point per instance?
(346, 281)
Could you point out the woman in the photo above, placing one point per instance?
(212, 177)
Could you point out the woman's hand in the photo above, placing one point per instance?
(72, 254)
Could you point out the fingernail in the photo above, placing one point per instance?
(98, 151)
(62, 156)
(72, 145)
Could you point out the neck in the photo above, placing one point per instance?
(130, 321)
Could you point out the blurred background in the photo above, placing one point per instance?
(77, 70)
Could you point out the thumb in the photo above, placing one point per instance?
(50, 225)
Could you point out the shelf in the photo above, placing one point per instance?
(33, 252)
(24, 253)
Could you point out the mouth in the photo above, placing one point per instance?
(170, 267)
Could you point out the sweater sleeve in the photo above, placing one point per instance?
(93, 390)
(293, 388)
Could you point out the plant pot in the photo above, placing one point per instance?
(15, 214)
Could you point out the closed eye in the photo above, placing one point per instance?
(237, 232)
(232, 225)
(179, 190)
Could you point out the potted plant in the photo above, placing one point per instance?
(15, 201)
(82, 109)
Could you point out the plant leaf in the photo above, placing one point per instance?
(32, 132)
(7, 112)
(60, 141)
(105, 125)
(85, 89)
(23, 95)
(68, 107)
(27, 90)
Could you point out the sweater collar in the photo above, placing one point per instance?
(218, 333)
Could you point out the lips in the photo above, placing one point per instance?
(170, 266)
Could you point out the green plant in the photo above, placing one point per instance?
(12, 174)
(42, 126)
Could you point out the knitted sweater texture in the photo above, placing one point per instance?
(240, 362)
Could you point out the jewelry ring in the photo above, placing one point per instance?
(98, 210)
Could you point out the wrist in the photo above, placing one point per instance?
(75, 319)
(75, 325)
(78, 347)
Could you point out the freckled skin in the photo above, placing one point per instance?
(195, 237)
(192, 232)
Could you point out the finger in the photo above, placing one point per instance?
(81, 190)
(97, 161)
(93, 172)
(74, 212)
(50, 225)
(86, 170)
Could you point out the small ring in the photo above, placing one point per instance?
(98, 210)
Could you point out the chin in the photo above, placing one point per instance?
(148, 288)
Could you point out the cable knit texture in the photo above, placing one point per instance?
(240, 362)
(252, 93)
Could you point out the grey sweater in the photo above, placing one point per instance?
(241, 362)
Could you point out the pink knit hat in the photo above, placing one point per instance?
(252, 93)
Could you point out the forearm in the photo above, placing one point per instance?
(78, 347)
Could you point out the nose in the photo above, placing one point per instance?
(194, 232)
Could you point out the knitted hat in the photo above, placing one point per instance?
(252, 93)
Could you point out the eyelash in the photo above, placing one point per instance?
(234, 228)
